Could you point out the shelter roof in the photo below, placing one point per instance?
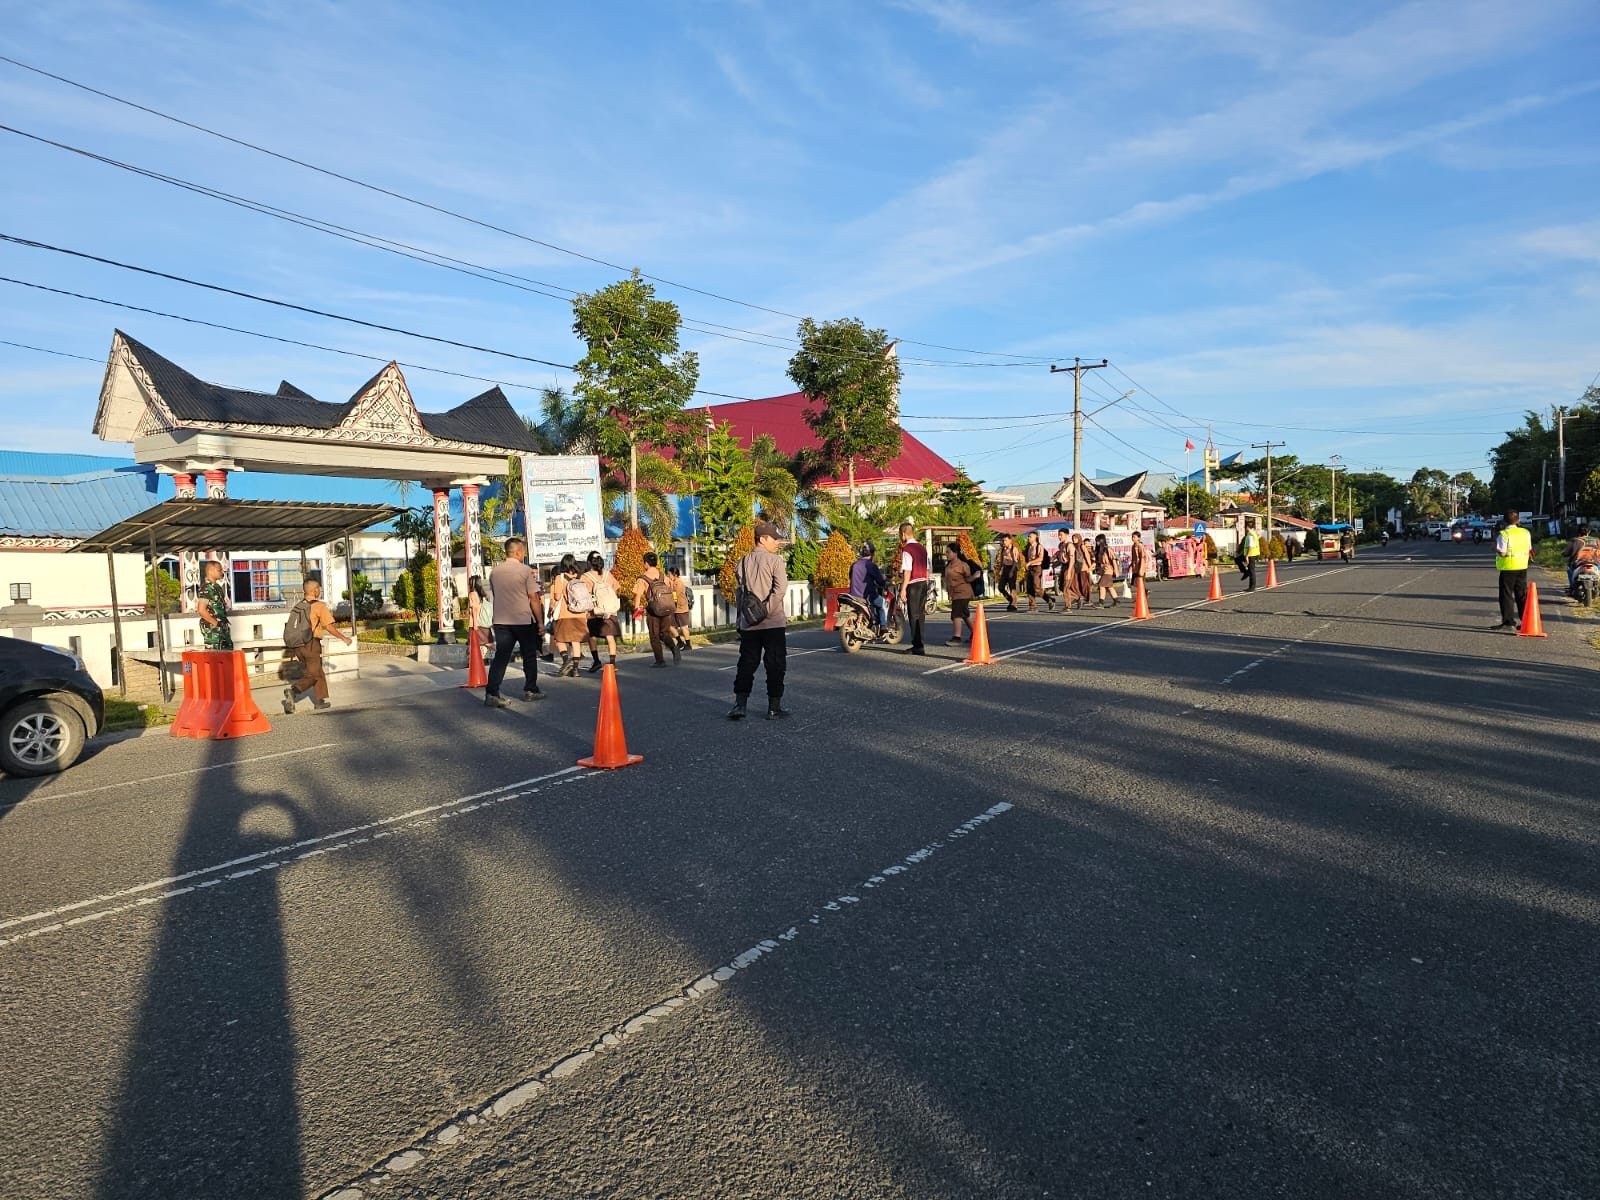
(782, 418)
(259, 525)
(56, 506)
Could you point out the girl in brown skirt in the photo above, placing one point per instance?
(569, 629)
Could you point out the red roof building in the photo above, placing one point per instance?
(782, 418)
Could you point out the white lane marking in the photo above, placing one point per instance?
(1098, 629)
(106, 787)
(1287, 646)
(466, 1123)
(1283, 649)
(795, 654)
(276, 857)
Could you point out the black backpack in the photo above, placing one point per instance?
(297, 629)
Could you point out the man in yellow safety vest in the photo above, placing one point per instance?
(1249, 551)
(1511, 551)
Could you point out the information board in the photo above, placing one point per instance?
(561, 500)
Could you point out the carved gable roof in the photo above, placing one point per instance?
(146, 393)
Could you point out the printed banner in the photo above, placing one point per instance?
(561, 502)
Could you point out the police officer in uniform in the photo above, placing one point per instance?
(1511, 551)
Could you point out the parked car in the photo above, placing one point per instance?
(49, 707)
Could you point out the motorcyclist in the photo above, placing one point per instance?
(867, 581)
(1383, 538)
(1580, 550)
(1347, 544)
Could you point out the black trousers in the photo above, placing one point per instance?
(1513, 595)
(1247, 572)
(506, 639)
(756, 645)
(1008, 584)
(916, 609)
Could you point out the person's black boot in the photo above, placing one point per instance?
(775, 709)
(595, 665)
(737, 712)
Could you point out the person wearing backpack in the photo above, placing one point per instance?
(680, 610)
(603, 622)
(308, 620)
(654, 601)
(762, 578)
(569, 625)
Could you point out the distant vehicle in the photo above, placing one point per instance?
(1434, 528)
(49, 707)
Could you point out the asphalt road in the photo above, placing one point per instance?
(1291, 895)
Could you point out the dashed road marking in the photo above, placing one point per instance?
(156, 890)
(466, 1123)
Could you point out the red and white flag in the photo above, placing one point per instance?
(1187, 445)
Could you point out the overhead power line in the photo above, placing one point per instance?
(315, 312)
(435, 258)
(460, 216)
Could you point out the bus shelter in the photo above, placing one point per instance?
(190, 523)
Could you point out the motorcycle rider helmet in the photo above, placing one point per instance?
(868, 550)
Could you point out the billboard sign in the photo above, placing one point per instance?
(561, 501)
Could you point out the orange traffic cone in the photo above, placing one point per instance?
(1532, 626)
(1141, 602)
(979, 655)
(477, 676)
(1272, 573)
(610, 747)
(1216, 585)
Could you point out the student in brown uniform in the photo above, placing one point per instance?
(1033, 562)
(958, 577)
(317, 621)
(653, 602)
(680, 610)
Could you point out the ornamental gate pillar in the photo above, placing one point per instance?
(445, 590)
(216, 485)
(474, 529)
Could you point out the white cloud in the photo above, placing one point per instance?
(1579, 243)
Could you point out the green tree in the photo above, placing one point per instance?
(774, 488)
(634, 380)
(1589, 496)
(851, 377)
(961, 503)
(1202, 505)
(723, 480)
(171, 591)
(368, 598)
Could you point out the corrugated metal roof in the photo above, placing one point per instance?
(54, 466)
(74, 505)
(262, 525)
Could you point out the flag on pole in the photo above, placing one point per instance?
(1187, 445)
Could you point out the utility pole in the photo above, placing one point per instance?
(1269, 447)
(1562, 418)
(1077, 368)
(1334, 463)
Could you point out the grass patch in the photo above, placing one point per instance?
(131, 714)
(1551, 554)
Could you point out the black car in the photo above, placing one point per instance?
(48, 708)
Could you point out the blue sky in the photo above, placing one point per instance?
(1283, 219)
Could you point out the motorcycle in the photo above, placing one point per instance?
(1585, 586)
(1383, 538)
(857, 623)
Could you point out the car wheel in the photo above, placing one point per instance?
(40, 737)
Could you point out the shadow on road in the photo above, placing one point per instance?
(208, 1103)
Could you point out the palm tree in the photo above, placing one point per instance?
(775, 484)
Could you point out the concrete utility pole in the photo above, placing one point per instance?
(1077, 368)
(1269, 447)
(1334, 462)
(1561, 418)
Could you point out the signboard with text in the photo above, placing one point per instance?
(561, 500)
